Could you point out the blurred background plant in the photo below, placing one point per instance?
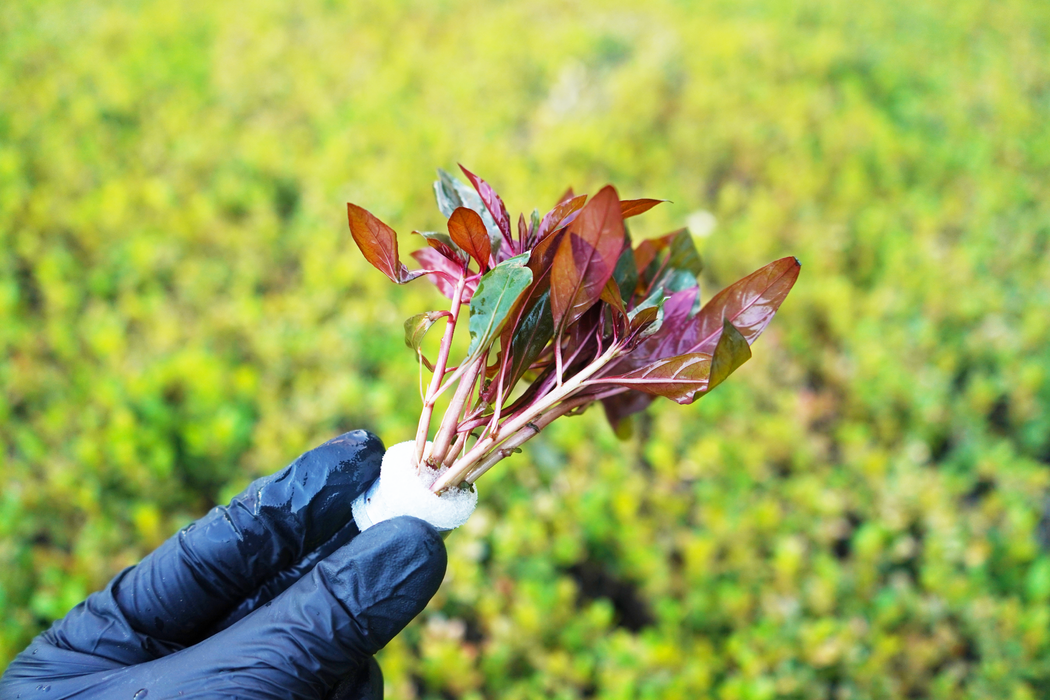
(854, 516)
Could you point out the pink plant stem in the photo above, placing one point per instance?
(538, 389)
(480, 450)
(559, 368)
(525, 434)
(449, 422)
(439, 371)
(500, 377)
(533, 428)
(457, 448)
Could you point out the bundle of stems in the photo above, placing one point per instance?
(563, 311)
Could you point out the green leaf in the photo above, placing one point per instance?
(448, 199)
(653, 301)
(534, 331)
(684, 255)
(496, 297)
(625, 273)
(731, 352)
(678, 280)
(659, 258)
(416, 329)
(453, 191)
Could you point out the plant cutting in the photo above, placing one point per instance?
(562, 311)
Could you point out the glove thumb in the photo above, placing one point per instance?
(322, 630)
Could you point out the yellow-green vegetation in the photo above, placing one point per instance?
(854, 516)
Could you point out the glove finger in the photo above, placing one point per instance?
(180, 590)
(283, 580)
(367, 684)
(328, 624)
(323, 629)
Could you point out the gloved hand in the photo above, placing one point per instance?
(277, 595)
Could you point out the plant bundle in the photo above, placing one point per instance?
(562, 311)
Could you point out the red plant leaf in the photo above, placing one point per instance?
(683, 378)
(468, 232)
(679, 306)
(749, 304)
(443, 244)
(678, 378)
(586, 257)
(495, 206)
(444, 273)
(619, 407)
(581, 334)
(677, 310)
(541, 261)
(634, 207)
(378, 243)
(566, 196)
(611, 296)
(553, 219)
(648, 249)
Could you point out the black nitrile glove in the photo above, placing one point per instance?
(277, 595)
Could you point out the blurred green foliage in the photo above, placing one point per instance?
(854, 515)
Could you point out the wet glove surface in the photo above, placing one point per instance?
(277, 595)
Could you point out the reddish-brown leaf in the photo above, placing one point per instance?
(634, 207)
(586, 257)
(619, 407)
(580, 336)
(540, 262)
(468, 232)
(678, 378)
(749, 304)
(677, 310)
(444, 273)
(569, 194)
(523, 231)
(496, 207)
(553, 219)
(611, 296)
(378, 243)
(444, 245)
(647, 250)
